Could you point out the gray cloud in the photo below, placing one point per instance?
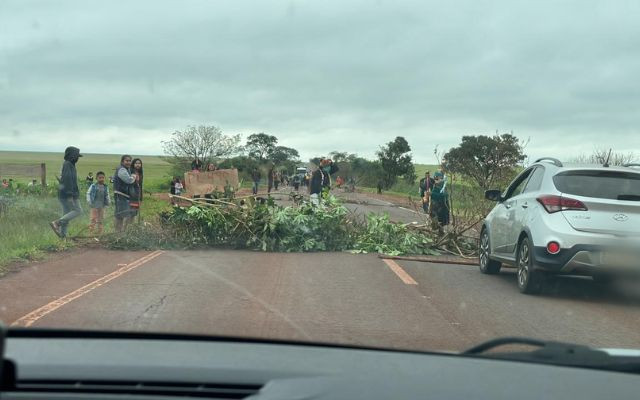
(320, 75)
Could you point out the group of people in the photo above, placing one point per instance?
(127, 193)
(435, 199)
(318, 182)
(274, 179)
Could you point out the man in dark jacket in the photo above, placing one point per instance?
(439, 200)
(68, 192)
(321, 180)
(255, 177)
(426, 184)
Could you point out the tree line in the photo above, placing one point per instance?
(482, 161)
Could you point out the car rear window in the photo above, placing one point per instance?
(615, 185)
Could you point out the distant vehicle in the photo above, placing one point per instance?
(556, 219)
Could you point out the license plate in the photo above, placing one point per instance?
(620, 259)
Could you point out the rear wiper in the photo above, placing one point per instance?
(557, 353)
(631, 197)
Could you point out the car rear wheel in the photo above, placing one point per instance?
(487, 265)
(529, 280)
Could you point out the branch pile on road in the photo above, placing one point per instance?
(260, 224)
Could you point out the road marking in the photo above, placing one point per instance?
(402, 274)
(35, 315)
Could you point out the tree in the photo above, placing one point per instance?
(486, 160)
(600, 156)
(339, 156)
(395, 160)
(282, 154)
(204, 142)
(260, 145)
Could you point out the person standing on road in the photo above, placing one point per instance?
(122, 182)
(270, 176)
(320, 182)
(276, 179)
(255, 177)
(68, 192)
(98, 199)
(135, 197)
(425, 186)
(439, 200)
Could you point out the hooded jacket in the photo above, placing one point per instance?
(68, 187)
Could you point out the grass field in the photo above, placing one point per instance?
(25, 230)
(155, 169)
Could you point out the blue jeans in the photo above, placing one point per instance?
(71, 209)
(255, 187)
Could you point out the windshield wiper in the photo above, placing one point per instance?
(557, 353)
(630, 197)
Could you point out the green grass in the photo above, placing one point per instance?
(422, 168)
(26, 234)
(156, 171)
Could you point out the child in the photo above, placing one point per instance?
(98, 199)
(179, 187)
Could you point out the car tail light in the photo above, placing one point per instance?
(558, 203)
(553, 247)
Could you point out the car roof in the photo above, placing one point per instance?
(578, 166)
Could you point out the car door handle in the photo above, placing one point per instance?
(507, 206)
(525, 205)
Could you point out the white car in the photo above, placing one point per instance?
(557, 219)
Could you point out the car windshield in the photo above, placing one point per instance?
(419, 175)
(599, 184)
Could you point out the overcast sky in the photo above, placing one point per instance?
(117, 77)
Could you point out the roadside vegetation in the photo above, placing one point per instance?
(476, 164)
(266, 226)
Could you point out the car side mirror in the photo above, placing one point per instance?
(493, 195)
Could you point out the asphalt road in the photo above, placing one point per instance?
(326, 297)
(362, 204)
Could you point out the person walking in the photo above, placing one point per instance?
(425, 186)
(136, 194)
(122, 182)
(98, 199)
(68, 192)
(255, 177)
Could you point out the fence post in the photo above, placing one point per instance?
(43, 174)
